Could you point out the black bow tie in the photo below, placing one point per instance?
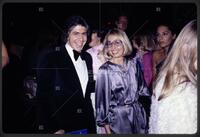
(77, 54)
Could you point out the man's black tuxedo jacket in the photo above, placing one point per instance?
(61, 104)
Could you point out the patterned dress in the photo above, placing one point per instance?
(175, 114)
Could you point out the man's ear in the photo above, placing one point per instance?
(116, 23)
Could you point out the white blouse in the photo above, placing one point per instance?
(175, 114)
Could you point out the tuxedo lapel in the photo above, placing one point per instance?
(69, 64)
(91, 83)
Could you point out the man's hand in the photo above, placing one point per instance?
(61, 131)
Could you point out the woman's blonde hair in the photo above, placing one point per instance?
(145, 41)
(179, 65)
(124, 39)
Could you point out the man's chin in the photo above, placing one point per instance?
(78, 50)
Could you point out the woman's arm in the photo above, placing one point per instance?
(142, 86)
(154, 63)
(102, 97)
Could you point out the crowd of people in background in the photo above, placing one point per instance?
(146, 84)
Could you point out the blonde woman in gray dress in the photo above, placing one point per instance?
(119, 85)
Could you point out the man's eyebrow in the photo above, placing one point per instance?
(163, 32)
(79, 32)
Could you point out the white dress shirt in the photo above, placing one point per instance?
(81, 68)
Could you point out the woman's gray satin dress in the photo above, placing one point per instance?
(117, 92)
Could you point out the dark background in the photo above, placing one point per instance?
(30, 27)
(23, 21)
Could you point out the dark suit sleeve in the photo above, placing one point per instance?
(44, 94)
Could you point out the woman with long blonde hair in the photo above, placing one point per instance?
(174, 100)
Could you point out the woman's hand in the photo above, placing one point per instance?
(107, 129)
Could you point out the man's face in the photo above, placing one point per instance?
(78, 37)
(122, 23)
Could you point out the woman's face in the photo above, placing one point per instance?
(164, 36)
(115, 46)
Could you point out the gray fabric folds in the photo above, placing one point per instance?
(117, 92)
